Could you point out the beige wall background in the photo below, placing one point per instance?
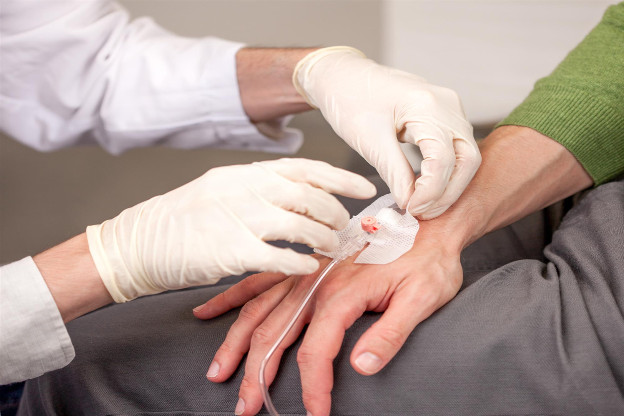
(491, 51)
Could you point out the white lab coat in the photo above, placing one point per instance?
(80, 72)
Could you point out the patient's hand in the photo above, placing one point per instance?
(513, 181)
(407, 291)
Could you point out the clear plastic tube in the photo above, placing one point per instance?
(351, 247)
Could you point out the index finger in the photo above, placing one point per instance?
(324, 176)
(436, 169)
(238, 295)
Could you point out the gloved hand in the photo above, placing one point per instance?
(373, 107)
(217, 226)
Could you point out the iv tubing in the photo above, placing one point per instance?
(263, 384)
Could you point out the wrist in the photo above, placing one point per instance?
(458, 227)
(265, 82)
(72, 278)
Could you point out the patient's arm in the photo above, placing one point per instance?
(525, 171)
(522, 171)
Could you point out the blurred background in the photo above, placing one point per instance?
(491, 52)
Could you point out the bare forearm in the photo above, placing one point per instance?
(532, 171)
(72, 278)
(265, 82)
(522, 171)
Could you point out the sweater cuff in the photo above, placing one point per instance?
(591, 129)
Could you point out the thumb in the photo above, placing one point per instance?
(383, 340)
(436, 146)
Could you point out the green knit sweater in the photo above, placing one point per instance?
(581, 104)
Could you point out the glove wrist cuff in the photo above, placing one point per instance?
(103, 263)
(305, 65)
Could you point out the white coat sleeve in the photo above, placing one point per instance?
(33, 337)
(80, 72)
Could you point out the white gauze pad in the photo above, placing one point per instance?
(394, 238)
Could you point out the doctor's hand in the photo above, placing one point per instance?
(217, 225)
(373, 107)
(407, 291)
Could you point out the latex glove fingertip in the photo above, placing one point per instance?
(365, 189)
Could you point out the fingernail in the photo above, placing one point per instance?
(198, 308)
(368, 363)
(240, 407)
(213, 370)
(308, 413)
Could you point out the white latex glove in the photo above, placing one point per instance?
(373, 107)
(217, 225)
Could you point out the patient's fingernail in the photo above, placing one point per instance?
(198, 308)
(213, 370)
(240, 407)
(368, 363)
(308, 413)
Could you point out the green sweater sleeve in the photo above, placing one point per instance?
(581, 104)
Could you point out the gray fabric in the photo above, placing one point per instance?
(531, 332)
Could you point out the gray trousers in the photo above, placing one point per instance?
(534, 330)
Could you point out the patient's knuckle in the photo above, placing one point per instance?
(225, 298)
(262, 336)
(245, 286)
(305, 356)
(309, 397)
(226, 346)
(247, 383)
(392, 336)
(251, 310)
